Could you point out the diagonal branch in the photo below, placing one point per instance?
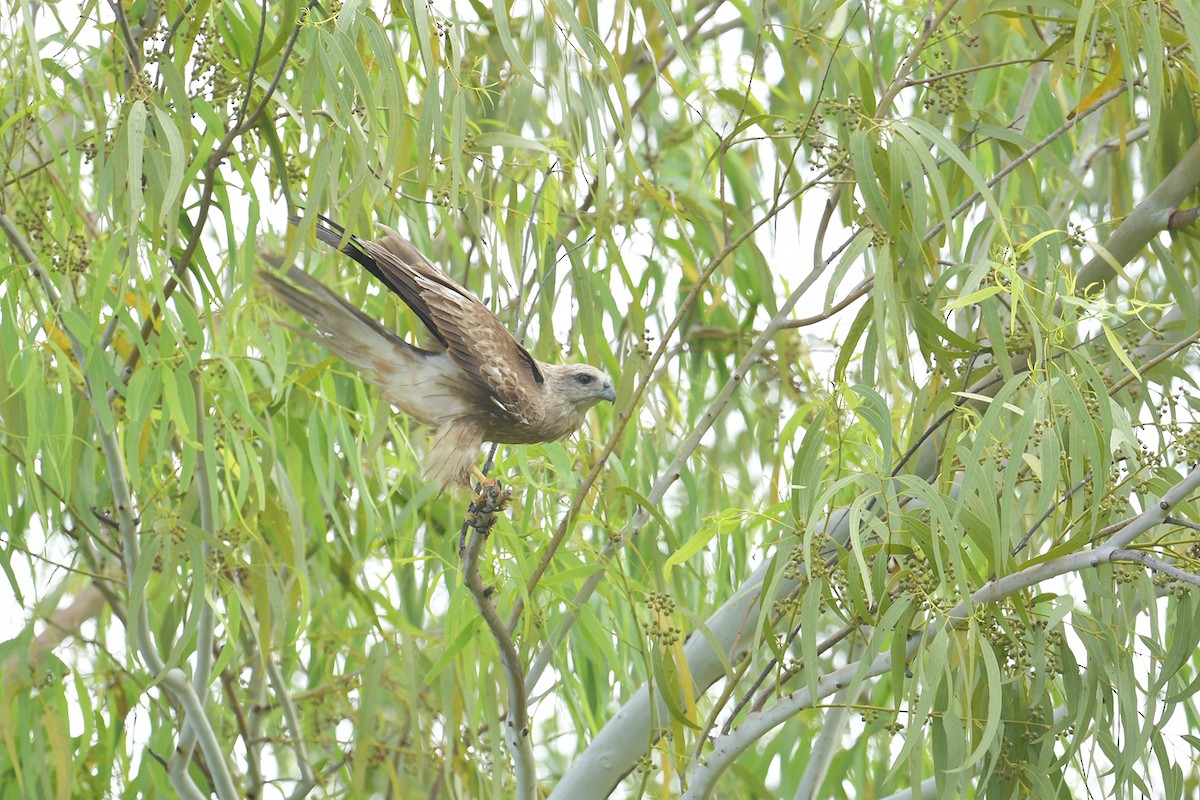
(1148, 561)
(727, 748)
(1149, 218)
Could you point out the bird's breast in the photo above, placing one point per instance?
(510, 429)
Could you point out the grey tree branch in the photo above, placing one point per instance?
(1149, 218)
(214, 755)
(1156, 564)
(308, 779)
(256, 694)
(727, 748)
(201, 675)
(139, 632)
(618, 745)
(824, 748)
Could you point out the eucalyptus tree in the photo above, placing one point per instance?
(897, 497)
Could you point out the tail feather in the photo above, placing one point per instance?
(349, 333)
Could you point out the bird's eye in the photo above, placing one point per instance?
(583, 379)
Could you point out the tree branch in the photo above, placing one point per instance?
(308, 779)
(205, 623)
(826, 746)
(482, 516)
(214, 753)
(1158, 565)
(1149, 218)
(727, 748)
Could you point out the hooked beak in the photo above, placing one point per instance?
(609, 393)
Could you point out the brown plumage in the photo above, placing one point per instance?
(478, 385)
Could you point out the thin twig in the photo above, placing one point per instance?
(254, 63)
(626, 415)
(1183, 344)
(1158, 565)
(254, 778)
(941, 76)
(855, 294)
(1046, 141)
(1053, 507)
(784, 675)
(132, 48)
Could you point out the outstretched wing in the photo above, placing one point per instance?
(475, 340)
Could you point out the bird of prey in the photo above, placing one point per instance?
(477, 384)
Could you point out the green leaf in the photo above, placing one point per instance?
(447, 656)
(500, 18)
(177, 162)
(691, 546)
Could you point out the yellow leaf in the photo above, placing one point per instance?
(686, 684)
(1115, 73)
(60, 753)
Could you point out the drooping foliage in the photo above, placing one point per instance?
(898, 493)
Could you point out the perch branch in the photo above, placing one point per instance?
(484, 512)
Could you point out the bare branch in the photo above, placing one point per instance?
(308, 779)
(1183, 523)
(214, 753)
(1149, 218)
(206, 618)
(1158, 565)
(824, 748)
(483, 515)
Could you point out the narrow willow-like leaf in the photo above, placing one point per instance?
(135, 130)
(500, 17)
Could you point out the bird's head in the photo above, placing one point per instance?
(581, 385)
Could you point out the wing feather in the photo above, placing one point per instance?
(474, 338)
